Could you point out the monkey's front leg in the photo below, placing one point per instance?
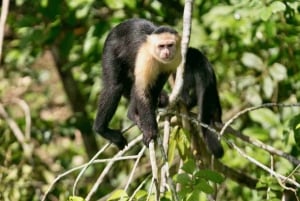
(142, 112)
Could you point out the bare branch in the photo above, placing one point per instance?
(256, 108)
(187, 15)
(109, 165)
(4, 12)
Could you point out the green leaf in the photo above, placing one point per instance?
(117, 195)
(183, 179)
(210, 175)
(194, 196)
(265, 117)
(75, 198)
(204, 186)
(189, 166)
(277, 6)
(257, 132)
(278, 71)
(141, 194)
(294, 124)
(268, 86)
(115, 4)
(252, 61)
(265, 13)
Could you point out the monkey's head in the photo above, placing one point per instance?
(165, 44)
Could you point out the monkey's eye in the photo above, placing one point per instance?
(161, 46)
(170, 45)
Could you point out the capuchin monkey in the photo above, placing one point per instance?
(200, 89)
(137, 59)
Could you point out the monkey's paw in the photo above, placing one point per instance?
(147, 138)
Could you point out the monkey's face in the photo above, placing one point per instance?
(165, 47)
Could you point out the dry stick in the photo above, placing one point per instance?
(82, 166)
(275, 174)
(260, 144)
(16, 131)
(4, 12)
(87, 165)
(186, 33)
(139, 156)
(154, 169)
(109, 165)
(27, 114)
(163, 182)
(255, 108)
(137, 189)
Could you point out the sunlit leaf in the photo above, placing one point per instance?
(115, 4)
(265, 13)
(141, 194)
(277, 6)
(252, 61)
(257, 133)
(278, 71)
(75, 198)
(117, 195)
(268, 86)
(264, 116)
(294, 124)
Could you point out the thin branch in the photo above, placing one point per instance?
(255, 108)
(187, 15)
(87, 165)
(109, 165)
(139, 156)
(4, 13)
(154, 169)
(83, 166)
(16, 131)
(26, 109)
(262, 166)
(137, 189)
(260, 144)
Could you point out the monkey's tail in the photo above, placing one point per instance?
(213, 143)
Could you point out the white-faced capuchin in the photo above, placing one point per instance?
(200, 89)
(137, 59)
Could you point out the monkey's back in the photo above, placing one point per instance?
(120, 50)
(125, 39)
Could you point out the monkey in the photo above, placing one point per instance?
(138, 57)
(200, 89)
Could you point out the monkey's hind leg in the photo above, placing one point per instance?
(108, 102)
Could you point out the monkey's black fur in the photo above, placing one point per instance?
(200, 89)
(118, 63)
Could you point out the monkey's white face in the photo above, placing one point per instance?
(164, 47)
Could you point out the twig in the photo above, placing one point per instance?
(139, 156)
(87, 165)
(270, 171)
(27, 114)
(186, 33)
(4, 12)
(82, 166)
(154, 169)
(109, 165)
(260, 144)
(255, 108)
(137, 189)
(164, 169)
(16, 131)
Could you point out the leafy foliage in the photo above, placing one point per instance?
(51, 61)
